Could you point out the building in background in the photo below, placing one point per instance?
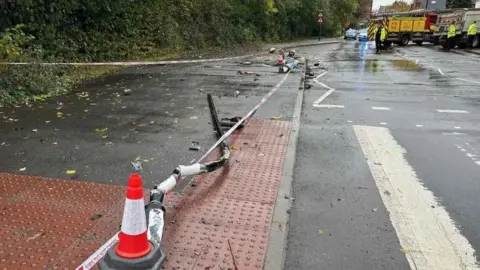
(433, 4)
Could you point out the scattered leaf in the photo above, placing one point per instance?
(374, 210)
(95, 217)
(193, 117)
(234, 148)
(48, 121)
(35, 130)
(277, 117)
(320, 231)
(406, 251)
(59, 114)
(101, 130)
(104, 137)
(54, 143)
(71, 172)
(22, 169)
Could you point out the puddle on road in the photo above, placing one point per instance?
(406, 65)
(376, 65)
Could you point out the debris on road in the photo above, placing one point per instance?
(137, 166)
(127, 92)
(272, 50)
(247, 63)
(71, 172)
(277, 117)
(59, 114)
(234, 148)
(22, 169)
(195, 146)
(374, 210)
(291, 53)
(320, 231)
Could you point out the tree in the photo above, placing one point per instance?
(459, 4)
(399, 6)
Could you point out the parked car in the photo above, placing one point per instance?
(350, 34)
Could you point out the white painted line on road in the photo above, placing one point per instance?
(425, 230)
(383, 123)
(452, 111)
(324, 96)
(466, 80)
(381, 108)
(419, 126)
(453, 133)
(473, 157)
(329, 106)
(441, 72)
(321, 75)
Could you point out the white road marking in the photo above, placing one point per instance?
(349, 121)
(452, 111)
(324, 96)
(453, 133)
(424, 228)
(473, 157)
(329, 106)
(441, 72)
(419, 126)
(466, 80)
(381, 108)
(457, 127)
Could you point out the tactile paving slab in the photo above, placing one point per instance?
(220, 220)
(223, 220)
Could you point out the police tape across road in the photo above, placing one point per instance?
(91, 261)
(130, 63)
(153, 63)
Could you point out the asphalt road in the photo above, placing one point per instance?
(97, 130)
(388, 161)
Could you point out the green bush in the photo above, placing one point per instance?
(31, 83)
(99, 30)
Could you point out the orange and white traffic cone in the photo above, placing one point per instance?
(281, 58)
(133, 239)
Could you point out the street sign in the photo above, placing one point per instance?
(320, 18)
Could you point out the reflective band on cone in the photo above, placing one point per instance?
(133, 241)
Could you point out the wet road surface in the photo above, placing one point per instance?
(388, 161)
(97, 131)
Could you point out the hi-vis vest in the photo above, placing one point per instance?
(451, 31)
(383, 34)
(472, 29)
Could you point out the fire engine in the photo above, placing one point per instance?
(403, 27)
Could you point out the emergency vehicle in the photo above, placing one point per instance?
(403, 27)
(462, 18)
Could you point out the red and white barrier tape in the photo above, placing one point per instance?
(130, 63)
(98, 255)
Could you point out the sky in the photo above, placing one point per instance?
(378, 3)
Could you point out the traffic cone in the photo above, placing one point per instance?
(133, 241)
(281, 58)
